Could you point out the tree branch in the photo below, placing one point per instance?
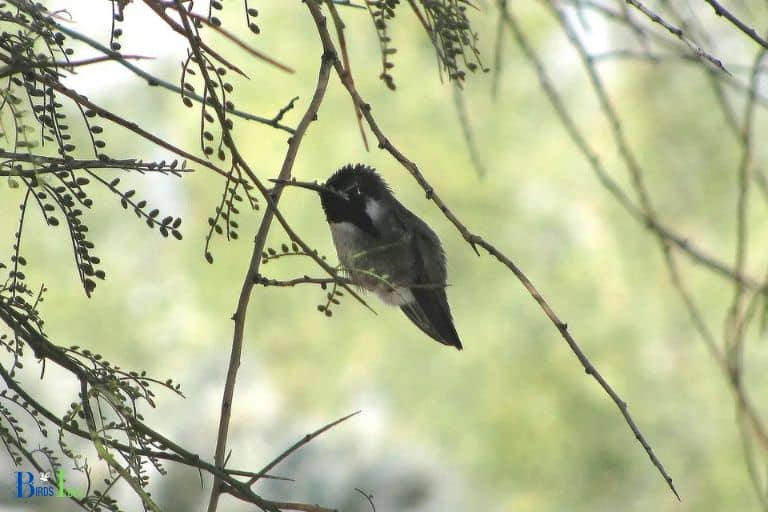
(253, 270)
(736, 21)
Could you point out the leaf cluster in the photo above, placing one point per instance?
(448, 28)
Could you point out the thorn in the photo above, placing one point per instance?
(473, 241)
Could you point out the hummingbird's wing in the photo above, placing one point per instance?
(429, 310)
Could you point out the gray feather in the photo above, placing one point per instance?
(429, 311)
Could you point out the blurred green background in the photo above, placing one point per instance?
(512, 423)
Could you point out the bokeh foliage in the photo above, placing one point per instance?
(511, 423)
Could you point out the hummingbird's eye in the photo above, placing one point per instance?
(352, 190)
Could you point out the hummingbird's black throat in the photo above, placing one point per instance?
(356, 184)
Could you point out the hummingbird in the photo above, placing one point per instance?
(386, 249)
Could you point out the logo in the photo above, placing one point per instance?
(28, 487)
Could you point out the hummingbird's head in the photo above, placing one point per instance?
(353, 193)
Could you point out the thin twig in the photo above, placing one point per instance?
(302, 507)
(259, 243)
(497, 51)
(297, 445)
(155, 81)
(221, 30)
(741, 308)
(159, 9)
(322, 281)
(368, 497)
(678, 32)
(48, 164)
(736, 21)
(23, 65)
(459, 102)
(338, 23)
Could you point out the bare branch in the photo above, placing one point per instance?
(678, 32)
(737, 22)
(338, 23)
(253, 268)
(296, 446)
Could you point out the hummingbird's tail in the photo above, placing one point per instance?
(430, 313)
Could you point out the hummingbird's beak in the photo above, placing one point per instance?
(310, 186)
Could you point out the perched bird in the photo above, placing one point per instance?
(386, 249)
